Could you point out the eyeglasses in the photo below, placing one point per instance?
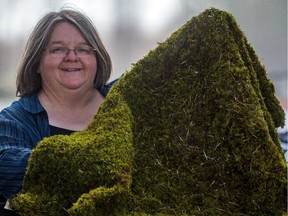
(81, 52)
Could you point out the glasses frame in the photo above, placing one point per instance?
(76, 51)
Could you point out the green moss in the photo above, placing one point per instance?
(64, 170)
(189, 130)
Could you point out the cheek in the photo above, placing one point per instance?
(47, 65)
(92, 66)
(42, 66)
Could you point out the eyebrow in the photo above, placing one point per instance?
(56, 42)
(62, 43)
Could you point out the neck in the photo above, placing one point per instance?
(71, 110)
(67, 99)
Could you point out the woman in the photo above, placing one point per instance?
(61, 84)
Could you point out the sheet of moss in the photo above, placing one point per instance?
(189, 130)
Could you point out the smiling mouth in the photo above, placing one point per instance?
(71, 69)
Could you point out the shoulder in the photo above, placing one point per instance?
(25, 116)
(29, 104)
(106, 88)
(22, 108)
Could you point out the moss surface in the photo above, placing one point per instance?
(189, 130)
(91, 166)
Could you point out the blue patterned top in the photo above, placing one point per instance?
(283, 133)
(22, 126)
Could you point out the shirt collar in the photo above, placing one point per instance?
(32, 104)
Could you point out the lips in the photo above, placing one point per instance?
(71, 69)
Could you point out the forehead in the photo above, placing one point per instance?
(65, 32)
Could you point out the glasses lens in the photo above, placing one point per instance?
(61, 52)
(58, 52)
(83, 51)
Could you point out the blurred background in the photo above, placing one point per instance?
(130, 28)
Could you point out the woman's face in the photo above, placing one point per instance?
(70, 72)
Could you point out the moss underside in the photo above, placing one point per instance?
(189, 130)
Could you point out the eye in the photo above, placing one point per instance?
(58, 50)
(83, 50)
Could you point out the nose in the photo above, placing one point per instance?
(71, 55)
